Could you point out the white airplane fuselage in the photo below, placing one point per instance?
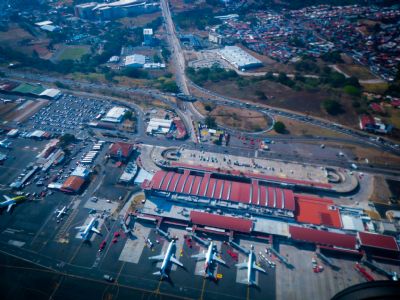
(209, 256)
(250, 267)
(167, 258)
(85, 234)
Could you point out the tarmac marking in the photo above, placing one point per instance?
(91, 279)
(75, 253)
(56, 288)
(67, 223)
(248, 293)
(157, 290)
(202, 289)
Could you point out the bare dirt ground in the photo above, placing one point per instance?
(381, 193)
(140, 20)
(297, 128)
(6, 108)
(243, 119)
(20, 115)
(361, 72)
(22, 41)
(282, 96)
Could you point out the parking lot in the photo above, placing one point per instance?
(68, 114)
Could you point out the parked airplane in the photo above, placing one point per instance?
(5, 143)
(10, 202)
(210, 256)
(250, 265)
(61, 212)
(166, 258)
(85, 231)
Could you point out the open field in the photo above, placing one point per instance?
(298, 128)
(381, 192)
(23, 41)
(243, 119)
(139, 21)
(393, 116)
(91, 77)
(361, 72)
(73, 52)
(307, 102)
(376, 88)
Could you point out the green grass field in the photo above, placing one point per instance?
(73, 52)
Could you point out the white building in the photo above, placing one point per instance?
(135, 61)
(147, 36)
(115, 114)
(239, 58)
(159, 126)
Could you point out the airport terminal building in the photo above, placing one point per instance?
(223, 191)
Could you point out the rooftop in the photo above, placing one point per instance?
(227, 189)
(121, 149)
(317, 211)
(212, 220)
(373, 240)
(323, 237)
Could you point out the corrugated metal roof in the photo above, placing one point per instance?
(224, 189)
(323, 237)
(380, 241)
(225, 222)
(73, 183)
(317, 211)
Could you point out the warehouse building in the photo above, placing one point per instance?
(157, 126)
(135, 61)
(148, 37)
(73, 185)
(115, 114)
(240, 59)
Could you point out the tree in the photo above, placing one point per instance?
(66, 139)
(260, 95)
(128, 115)
(352, 90)
(210, 122)
(61, 85)
(332, 107)
(209, 107)
(279, 127)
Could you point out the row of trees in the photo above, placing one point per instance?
(214, 74)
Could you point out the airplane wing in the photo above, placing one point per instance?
(242, 265)
(199, 256)
(6, 197)
(157, 257)
(255, 267)
(10, 206)
(175, 261)
(219, 260)
(94, 229)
